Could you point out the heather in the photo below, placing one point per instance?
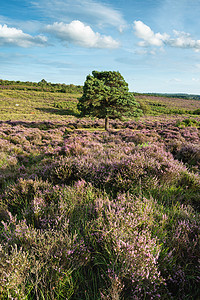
(90, 214)
(158, 104)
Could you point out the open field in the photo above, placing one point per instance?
(36, 105)
(89, 214)
(169, 106)
(31, 105)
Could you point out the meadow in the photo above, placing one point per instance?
(90, 214)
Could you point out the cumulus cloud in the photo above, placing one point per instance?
(84, 10)
(149, 38)
(16, 37)
(145, 33)
(80, 34)
(184, 40)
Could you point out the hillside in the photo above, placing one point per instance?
(160, 104)
(90, 214)
(47, 101)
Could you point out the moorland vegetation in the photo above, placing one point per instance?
(93, 214)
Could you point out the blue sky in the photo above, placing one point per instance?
(154, 44)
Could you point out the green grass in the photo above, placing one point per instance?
(37, 106)
(30, 105)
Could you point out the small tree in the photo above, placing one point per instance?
(106, 95)
(43, 81)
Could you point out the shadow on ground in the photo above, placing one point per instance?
(60, 112)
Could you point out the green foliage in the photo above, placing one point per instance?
(160, 108)
(42, 85)
(60, 104)
(195, 112)
(106, 95)
(188, 123)
(37, 105)
(145, 107)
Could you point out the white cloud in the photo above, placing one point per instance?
(196, 79)
(80, 34)
(25, 25)
(184, 40)
(84, 10)
(149, 38)
(176, 80)
(16, 37)
(145, 33)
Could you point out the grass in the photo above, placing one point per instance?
(36, 106)
(30, 105)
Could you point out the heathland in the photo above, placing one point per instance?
(92, 214)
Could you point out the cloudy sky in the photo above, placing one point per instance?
(155, 44)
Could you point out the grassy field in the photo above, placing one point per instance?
(30, 105)
(89, 214)
(36, 105)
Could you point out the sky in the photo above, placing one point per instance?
(154, 44)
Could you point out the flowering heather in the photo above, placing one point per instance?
(169, 102)
(89, 214)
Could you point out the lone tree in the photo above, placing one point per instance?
(106, 95)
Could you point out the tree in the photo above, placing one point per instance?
(106, 95)
(42, 82)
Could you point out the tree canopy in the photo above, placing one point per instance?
(106, 95)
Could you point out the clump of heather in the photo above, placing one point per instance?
(134, 260)
(179, 257)
(115, 170)
(190, 154)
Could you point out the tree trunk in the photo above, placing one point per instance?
(106, 123)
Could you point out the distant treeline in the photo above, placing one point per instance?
(42, 85)
(179, 95)
(45, 86)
